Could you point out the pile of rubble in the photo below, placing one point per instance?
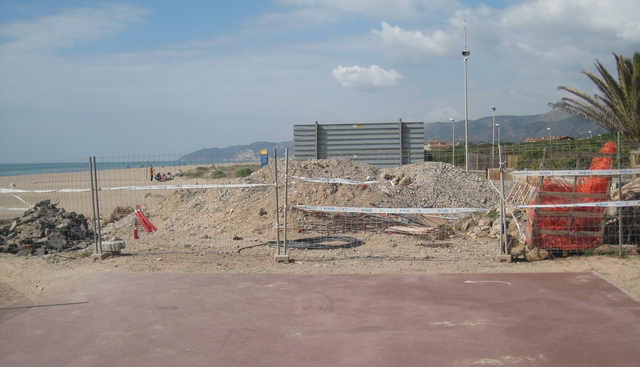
(249, 211)
(45, 228)
(487, 225)
(422, 185)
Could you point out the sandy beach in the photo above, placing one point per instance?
(80, 202)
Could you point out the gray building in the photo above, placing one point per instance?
(387, 144)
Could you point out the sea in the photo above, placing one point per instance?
(15, 169)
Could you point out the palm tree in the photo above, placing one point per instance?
(618, 108)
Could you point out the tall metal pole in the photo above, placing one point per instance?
(493, 136)
(466, 53)
(286, 195)
(275, 168)
(453, 140)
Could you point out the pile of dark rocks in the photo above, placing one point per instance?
(43, 229)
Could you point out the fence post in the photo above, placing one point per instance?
(503, 220)
(97, 188)
(275, 168)
(620, 252)
(93, 205)
(286, 197)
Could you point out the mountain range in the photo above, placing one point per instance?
(515, 128)
(512, 129)
(237, 153)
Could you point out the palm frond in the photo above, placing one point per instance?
(617, 106)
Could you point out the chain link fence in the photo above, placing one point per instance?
(57, 204)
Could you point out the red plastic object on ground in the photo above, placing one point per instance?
(134, 229)
(562, 221)
(146, 224)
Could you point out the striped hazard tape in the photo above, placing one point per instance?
(335, 180)
(343, 209)
(607, 204)
(588, 172)
(133, 188)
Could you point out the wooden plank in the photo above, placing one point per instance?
(409, 230)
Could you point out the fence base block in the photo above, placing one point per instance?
(503, 258)
(282, 259)
(101, 256)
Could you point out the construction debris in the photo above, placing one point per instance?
(43, 229)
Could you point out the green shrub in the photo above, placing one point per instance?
(218, 174)
(244, 172)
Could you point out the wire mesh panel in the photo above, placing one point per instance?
(541, 154)
(157, 186)
(579, 211)
(45, 207)
(49, 207)
(422, 200)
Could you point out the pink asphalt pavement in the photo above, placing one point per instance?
(159, 319)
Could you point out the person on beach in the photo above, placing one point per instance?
(151, 173)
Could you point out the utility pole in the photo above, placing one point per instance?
(466, 53)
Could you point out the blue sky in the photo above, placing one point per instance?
(84, 78)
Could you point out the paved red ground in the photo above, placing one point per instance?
(561, 319)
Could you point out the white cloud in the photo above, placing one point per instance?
(412, 44)
(363, 78)
(68, 27)
(558, 32)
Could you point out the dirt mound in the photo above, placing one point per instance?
(45, 228)
(248, 211)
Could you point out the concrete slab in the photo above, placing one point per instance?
(159, 319)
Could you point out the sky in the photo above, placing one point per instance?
(148, 77)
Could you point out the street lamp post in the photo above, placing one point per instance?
(466, 53)
(493, 135)
(453, 139)
(549, 133)
(590, 134)
(498, 126)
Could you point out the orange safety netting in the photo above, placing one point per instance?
(572, 223)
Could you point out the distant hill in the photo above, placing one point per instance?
(237, 153)
(515, 128)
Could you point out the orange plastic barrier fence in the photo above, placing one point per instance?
(571, 223)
